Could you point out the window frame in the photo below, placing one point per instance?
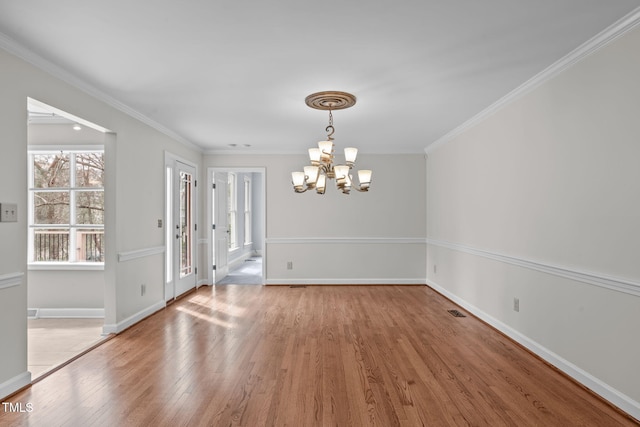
(233, 211)
(248, 240)
(72, 227)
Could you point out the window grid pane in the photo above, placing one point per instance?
(89, 170)
(51, 245)
(89, 207)
(51, 171)
(51, 207)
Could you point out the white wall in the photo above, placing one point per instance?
(64, 289)
(13, 245)
(135, 202)
(374, 237)
(540, 202)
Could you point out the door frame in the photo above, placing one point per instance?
(211, 171)
(170, 161)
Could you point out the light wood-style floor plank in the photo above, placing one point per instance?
(314, 356)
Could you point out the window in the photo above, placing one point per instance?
(66, 206)
(232, 210)
(247, 211)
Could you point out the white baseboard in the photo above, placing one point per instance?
(420, 281)
(66, 313)
(598, 386)
(132, 320)
(202, 282)
(14, 384)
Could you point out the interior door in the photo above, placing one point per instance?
(221, 227)
(184, 228)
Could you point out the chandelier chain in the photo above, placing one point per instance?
(330, 129)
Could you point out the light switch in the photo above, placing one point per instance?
(8, 212)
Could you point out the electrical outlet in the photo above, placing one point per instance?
(159, 223)
(516, 304)
(289, 265)
(8, 212)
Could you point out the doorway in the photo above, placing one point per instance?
(181, 227)
(236, 213)
(67, 250)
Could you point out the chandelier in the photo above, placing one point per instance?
(322, 158)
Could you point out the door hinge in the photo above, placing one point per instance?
(195, 227)
(214, 268)
(196, 270)
(213, 186)
(195, 182)
(213, 226)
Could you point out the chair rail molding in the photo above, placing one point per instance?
(140, 253)
(11, 279)
(589, 277)
(345, 240)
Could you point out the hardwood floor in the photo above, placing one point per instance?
(314, 356)
(52, 342)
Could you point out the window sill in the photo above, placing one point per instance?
(94, 266)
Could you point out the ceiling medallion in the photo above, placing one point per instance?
(330, 100)
(322, 158)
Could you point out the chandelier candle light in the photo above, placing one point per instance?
(322, 168)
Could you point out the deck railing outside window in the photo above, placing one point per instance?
(54, 246)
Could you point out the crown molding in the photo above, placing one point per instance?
(620, 27)
(22, 52)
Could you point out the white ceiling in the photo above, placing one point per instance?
(237, 72)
